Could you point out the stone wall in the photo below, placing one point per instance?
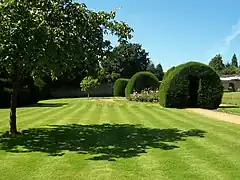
(103, 90)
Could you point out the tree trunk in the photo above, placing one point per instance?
(88, 95)
(13, 104)
(13, 107)
(13, 117)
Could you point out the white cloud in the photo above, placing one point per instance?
(223, 45)
(235, 32)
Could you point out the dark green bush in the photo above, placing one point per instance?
(191, 85)
(119, 87)
(141, 81)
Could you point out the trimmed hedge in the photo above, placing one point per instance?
(192, 84)
(141, 81)
(168, 72)
(119, 87)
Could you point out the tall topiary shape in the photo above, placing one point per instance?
(119, 87)
(141, 81)
(192, 84)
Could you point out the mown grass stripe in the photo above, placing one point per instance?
(156, 153)
(72, 111)
(215, 156)
(212, 151)
(183, 154)
(50, 115)
(194, 121)
(35, 125)
(142, 170)
(219, 135)
(131, 169)
(213, 122)
(27, 119)
(223, 135)
(72, 115)
(23, 113)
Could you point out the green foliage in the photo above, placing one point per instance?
(217, 63)
(157, 71)
(234, 61)
(106, 77)
(145, 95)
(230, 70)
(126, 59)
(191, 85)
(42, 36)
(89, 83)
(141, 81)
(119, 87)
(168, 72)
(151, 67)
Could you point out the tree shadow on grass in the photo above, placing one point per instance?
(102, 142)
(48, 105)
(229, 106)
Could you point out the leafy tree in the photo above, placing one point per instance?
(126, 59)
(159, 72)
(217, 63)
(89, 83)
(151, 67)
(106, 77)
(227, 65)
(234, 61)
(42, 36)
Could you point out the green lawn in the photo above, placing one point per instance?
(231, 98)
(80, 139)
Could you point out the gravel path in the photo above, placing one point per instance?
(216, 114)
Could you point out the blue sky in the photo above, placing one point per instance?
(177, 31)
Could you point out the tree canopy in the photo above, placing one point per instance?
(234, 61)
(41, 36)
(126, 59)
(217, 63)
(157, 71)
(230, 68)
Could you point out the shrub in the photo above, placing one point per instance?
(146, 95)
(119, 87)
(89, 83)
(141, 81)
(191, 85)
(169, 70)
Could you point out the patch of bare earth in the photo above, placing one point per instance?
(216, 114)
(153, 104)
(105, 100)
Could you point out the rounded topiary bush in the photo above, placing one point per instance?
(191, 85)
(141, 81)
(168, 72)
(119, 87)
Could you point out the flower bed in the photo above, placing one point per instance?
(146, 95)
